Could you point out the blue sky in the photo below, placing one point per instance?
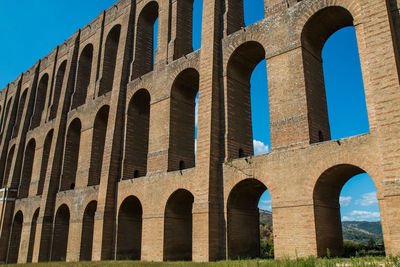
(31, 29)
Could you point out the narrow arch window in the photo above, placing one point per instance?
(110, 60)
(137, 135)
(129, 233)
(57, 89)
(26, 176)
(32, 236)
(21, 106)
(329, 202)
(178, 226)
(5, 118)
(145, 40)
(319, 72)
(40, 101)
(15, 238)
(243, 221)
(60, 234)
(240, 13)
(87, 232)
(71, 156)
(45, 161)
(83, 77)
(182, 120)
(98, 142)
(247, 94)
(8, 166)
(184, 26)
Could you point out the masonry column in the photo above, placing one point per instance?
(207, 207)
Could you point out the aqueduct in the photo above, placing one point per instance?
(96, 147)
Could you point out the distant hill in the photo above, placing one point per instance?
(362, 231)
(359, 232)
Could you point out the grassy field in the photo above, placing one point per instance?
(370, 262)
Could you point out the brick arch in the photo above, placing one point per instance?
(60, 77)
(15, 238)
(330, 161)
(21, 107)
(141, 84)
(314, 7)
(7, 169)
(32, 234)
(71, 155)
(243, 219)
(60, 233)
(40, 100)
(188, 64)
(129, 232)
(87, 231)
(182, 120)
(84, 74)
(98, 143)
(110, 59)
(143, 58)
(45, 160)
(327, 217)
(26, 175)
(137, 135)
(178, 226)
(238, 71)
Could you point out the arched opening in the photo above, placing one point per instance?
(178, 226)
(32, 236)
(83, 77)
(15, 238)
(328, 225)
(129, 240)
(110, 60)
(137, 135)
(5, 118)
(60, 234)
(145, 40)
(87, 232)
(183, 26)
(21, 106)
(26, 177)
(182, 120)
(243, 219)
(240, 68)
(40, 101)
(71, 155)
(8, 166)
(320, 68)
(98, 142)
(57, 89)
(45, 161)
(240, 14)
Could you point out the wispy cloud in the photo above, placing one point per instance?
(260, 148)
(195, 146)
(365, 215)
(265, 205)
(367, 199)
(347, 218)
(345, 201)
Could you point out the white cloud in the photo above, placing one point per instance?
(367, 199)
(347, 218)
(195, 146)
(345, 201)
(260, 148)
(365, 215)
(265, 201)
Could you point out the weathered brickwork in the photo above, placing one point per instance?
(97, 157)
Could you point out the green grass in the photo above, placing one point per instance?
(309, 262)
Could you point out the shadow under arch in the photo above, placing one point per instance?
(240, 67)
(178, 226)
(15, 238)
(129, 233)
(326, 194)
(243, 219)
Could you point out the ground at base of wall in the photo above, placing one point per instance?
(309, 262)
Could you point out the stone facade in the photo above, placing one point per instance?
(97, 155)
